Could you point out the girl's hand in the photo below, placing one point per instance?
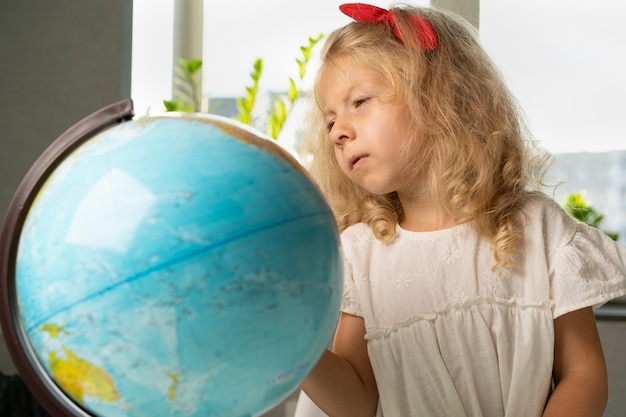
(342, 383)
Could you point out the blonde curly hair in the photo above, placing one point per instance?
(471, 143)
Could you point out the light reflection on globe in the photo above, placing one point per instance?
(180, 266)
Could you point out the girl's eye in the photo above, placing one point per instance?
(359, 102)
(329, 126)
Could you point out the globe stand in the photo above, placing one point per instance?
(43, 388)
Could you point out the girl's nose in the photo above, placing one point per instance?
(340, 132)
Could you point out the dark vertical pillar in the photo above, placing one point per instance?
(59, 61)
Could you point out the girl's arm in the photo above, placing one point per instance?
(581, 386)
(342, 383)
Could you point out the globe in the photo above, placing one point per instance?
(179, 265)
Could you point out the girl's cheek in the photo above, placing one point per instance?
(340, 162)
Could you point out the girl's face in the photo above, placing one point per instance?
(366, 125)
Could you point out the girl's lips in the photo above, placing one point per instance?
(357, 161)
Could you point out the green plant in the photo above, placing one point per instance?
(281, 107)
(188, 95)
(576, 206)
(187, 91)
(246, 104)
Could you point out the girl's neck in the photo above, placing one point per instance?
(424, 215)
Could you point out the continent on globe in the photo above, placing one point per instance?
(174, 378)
(78, 376)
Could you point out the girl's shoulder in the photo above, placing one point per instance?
(357, 232)
(543, 216)
(585, 266)
(542, 204)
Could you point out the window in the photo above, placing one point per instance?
(566, 63)
(564, 60)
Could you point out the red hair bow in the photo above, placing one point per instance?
(373, 14)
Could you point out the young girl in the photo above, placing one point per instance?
(466, 292)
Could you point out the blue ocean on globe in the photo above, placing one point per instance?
(178, 266)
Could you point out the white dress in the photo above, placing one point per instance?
(449, 337)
